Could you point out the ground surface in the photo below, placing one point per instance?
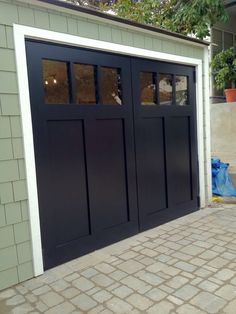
(187, 266)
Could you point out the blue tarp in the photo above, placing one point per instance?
(221, 182)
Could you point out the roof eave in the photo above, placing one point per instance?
(123, 21)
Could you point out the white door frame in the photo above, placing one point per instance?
(21, 33)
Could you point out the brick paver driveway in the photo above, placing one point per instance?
(187, 266)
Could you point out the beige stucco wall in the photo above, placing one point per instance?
(223, 133)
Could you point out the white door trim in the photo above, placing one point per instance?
(207, 123)
(24, 32)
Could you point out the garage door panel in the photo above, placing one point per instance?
(107, 172)
(151, 166)
(68, 205)
(178, 136)
(116, 152)
(164, 92)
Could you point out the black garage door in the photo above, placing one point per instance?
(115, 146)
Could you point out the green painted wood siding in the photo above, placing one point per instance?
(15, 247)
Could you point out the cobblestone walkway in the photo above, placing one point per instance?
(187, 266)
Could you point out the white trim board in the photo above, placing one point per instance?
(207, 122)
(23, 32)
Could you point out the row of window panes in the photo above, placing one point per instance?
(56, 84)
(222, 40)
(148, 85)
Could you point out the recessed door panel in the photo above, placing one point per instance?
(151, 166)
(107, 172)
(179, 159)
(67, 197)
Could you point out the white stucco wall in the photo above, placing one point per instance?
(223, 133)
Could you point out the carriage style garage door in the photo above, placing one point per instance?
(115, 146)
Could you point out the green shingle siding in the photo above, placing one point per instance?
(18, 149)
(26, 16)
(157, 45)
(24, 252)
(19, 190)
(6, 237)
(6, 193)
(8, 258)
(3, 36)
(15, 261)
(8, 277)
(10, 105)
(10, 40)
(13, 213)
(127, 38)
(8, 171)
(72, 26)
(41, 19)
(15, 123)
(8, 13)
(8, 83)
(2, 216)
(138, 41)
(148, 43)
(104, 33)
(7, 60)
(58, 23)
(15, 246)
(25, 271)
(5, 128)
(116, 36)
(6, 152)
(24, 210)
(86, 29)
(21, 165)
(21, 231)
